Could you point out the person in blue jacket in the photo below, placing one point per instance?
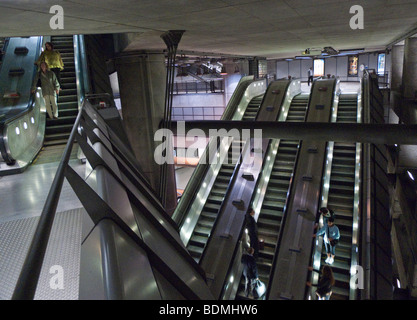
(331, 236)
(325, 213)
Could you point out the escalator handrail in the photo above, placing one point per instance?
(226, 197)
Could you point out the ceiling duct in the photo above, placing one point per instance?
(330, 51)
(181, 72)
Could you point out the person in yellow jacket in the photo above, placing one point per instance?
(53, 59)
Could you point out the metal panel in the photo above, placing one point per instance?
(114, 267)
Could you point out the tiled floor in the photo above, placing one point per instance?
(22, 198)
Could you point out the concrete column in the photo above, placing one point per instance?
(397, 59)
(142, 83)
(410, 68)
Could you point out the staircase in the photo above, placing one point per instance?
(57, 131)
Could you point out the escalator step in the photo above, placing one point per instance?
(202, 231)
(274, 197)
(61, 120)
(212, 207)
(277, 191)
(57, 136)
(269, 223)
(215, 199)
(209, 215)
(277, 206)
(195, 252)
(197, 241)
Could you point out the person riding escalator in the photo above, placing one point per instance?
(49, 84)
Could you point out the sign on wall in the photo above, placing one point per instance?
(381, 63)
(318, 67)
(353, 66)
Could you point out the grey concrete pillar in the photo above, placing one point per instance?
(397, 59)
(409, 82)
(142, 83)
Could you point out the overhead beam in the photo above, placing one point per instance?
(406, 35)
(389, 134)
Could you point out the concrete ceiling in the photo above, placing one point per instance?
(265, 28)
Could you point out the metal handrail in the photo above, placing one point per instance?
(29, 276)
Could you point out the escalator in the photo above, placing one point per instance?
(2, 40)
(253, 108)
(341, 197)
(273, 206)
(210, 210)
(218, 192)
(58, 130)
(22, 124)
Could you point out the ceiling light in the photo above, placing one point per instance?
(410, 175)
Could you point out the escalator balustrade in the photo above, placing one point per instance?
(341, 198)
(272, 210)
(1, 49)
(208, 215)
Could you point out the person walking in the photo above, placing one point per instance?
(325, 213)
(50, 88)
(331, 237)
(325, 284)
(53, 59)
(310, 76)
(250, 270)
(252, 231)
